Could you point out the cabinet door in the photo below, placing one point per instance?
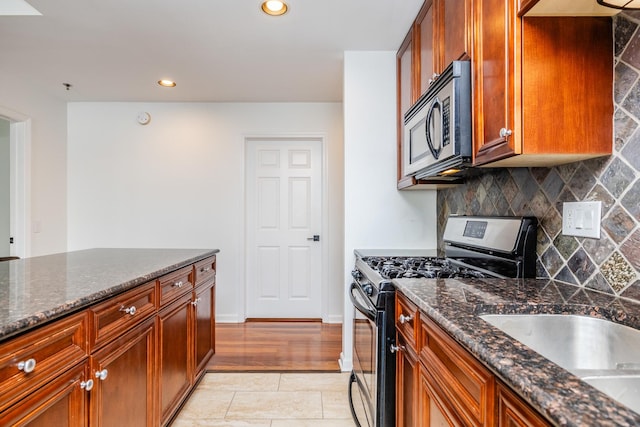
(60, 402)
(433, 410)
(454, 18)
(174, 355)
(466, 385)
(205, 326)
(125, 397)
(494, 90)
(513, 412)
(406, 385)
(426, 31)
(404, 63)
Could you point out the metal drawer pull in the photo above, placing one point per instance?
(27, 366)
(130, 310)
(405, 319)
(204, 270)
(86, 385)
(196, 301)
(178, 284)
(396, 348)
(102, 375)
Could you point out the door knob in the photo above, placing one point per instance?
(315, 238)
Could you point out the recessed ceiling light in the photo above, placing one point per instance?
(274, 7)
(167, 83)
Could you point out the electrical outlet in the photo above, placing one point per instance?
(581, 219)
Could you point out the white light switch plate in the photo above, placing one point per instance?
(581, 219)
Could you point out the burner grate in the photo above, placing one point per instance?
(419, 267)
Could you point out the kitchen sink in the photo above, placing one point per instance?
(604, 354)
(579, 344)
(623, 388)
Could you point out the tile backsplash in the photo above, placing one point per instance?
(610, 264)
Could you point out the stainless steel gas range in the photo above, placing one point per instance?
(475, 247)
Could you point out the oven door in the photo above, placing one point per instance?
(365, 358)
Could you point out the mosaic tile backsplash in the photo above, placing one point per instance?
(610, 264)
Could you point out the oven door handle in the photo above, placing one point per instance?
(370, 313)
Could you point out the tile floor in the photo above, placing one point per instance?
(268, 400)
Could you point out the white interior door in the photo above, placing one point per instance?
(284, 207)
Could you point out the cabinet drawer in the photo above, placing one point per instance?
(205, 270)
(406, 319)
(120, 313)
(36, 357)
(175, 284)
(465, 383)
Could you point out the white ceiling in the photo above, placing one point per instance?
(116, 50)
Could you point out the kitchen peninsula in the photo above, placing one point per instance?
(104, 336)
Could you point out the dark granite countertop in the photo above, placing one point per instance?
(563, 398)
(39, 289)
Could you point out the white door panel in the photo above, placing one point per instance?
(284, 197)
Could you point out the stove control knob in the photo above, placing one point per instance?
(356, 274)
(368, 289)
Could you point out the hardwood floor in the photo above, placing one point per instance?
(277, 346)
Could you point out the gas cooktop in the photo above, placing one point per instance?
(393, 267)
(475, 247)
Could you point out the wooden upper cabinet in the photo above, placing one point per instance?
(427, 62)
(493, 71)
(542, 87)
(405, 76)
(456, 33)
(442, 33)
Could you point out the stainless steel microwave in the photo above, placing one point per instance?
(437, 130)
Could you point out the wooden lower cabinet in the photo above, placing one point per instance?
(406, 385)
(63, 401)
(174, 355)
(186, 331)
(124, 392)
(439, 383)
(514, 412)
(205, 326)
(433, 408)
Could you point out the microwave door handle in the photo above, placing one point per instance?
(368, 312)
(427, 130)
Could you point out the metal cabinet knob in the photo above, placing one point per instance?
(102, 375)
(129, 310)
(27, 366)
(196, 301)
(396, 348)
(86, 385)
(204, 270)
(433, 78)
(405, 319)
(178, 284)
(504, 133)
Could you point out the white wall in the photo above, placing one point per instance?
(179, 181)
(46, 222)
(376, 214)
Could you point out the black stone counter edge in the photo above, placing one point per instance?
(558, 395)
(26, 324)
